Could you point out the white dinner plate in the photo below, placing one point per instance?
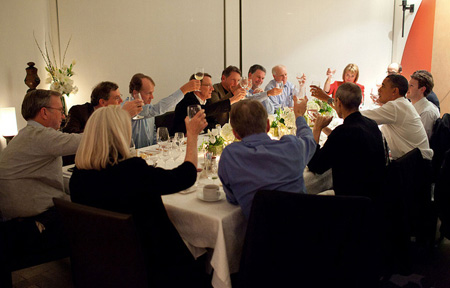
(200, 196)
(189, 190)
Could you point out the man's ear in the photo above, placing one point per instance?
(236, 135)
(222, 78)
(102, 102)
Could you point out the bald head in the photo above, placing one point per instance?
(394, 68)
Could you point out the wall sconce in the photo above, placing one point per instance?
(8, 123)
(406, 7)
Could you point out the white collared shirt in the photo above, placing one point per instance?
(402, 127)
(428, 113)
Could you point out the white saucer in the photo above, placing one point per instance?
(200, 196)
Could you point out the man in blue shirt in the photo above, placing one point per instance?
(256, 74)
(285, 99)
(258, 162)
(144, 129)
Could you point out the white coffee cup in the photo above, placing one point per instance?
(211, 192)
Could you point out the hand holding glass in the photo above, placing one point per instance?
(137, 96)
(192, 110)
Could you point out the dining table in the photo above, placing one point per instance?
(216, 228)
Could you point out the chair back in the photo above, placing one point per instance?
(298, 240)
(440, 142)
(442, 196)
(105, 248)
(165, 120)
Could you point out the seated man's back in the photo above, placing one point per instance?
(258, 162)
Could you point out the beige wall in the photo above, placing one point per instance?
(440, 64)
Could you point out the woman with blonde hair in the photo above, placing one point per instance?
(106, 176)
(350, 74)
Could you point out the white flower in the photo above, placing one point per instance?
(212, 139)
(215, 132)
(311, 105)
(74, 62)
(227, 133)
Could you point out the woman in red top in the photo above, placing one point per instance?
(350, 74)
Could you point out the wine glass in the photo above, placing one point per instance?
(279, 85)
(179, 139)
(192, 110)
(162, 137)
(244, 83)
(133, 97)
(199, 73)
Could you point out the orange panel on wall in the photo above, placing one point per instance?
(419, 45)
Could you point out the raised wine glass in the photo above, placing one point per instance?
(133, 97)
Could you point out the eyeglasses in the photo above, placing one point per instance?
(61, 110)
(208, 85)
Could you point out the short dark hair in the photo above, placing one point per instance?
(255, 68)
(425, 79)
(101, 91)
(248, 117)
(136, 82)
(231, 69)
(204, 75)
(35, 100)
(350, 95)
(400, 82)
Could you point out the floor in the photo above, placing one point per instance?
(432, 271)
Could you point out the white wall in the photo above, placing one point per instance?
(310, 36)
(113, 39)
(18, 20)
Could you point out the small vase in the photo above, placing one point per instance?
(32, 79)
(216, 150)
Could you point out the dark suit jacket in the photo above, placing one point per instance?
(220, 94)
(355, 152)
(211, 110)
(78, 116)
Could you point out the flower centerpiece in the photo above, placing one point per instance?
(283, 123)
(318, 106)
(227, 133)
(58, 77)
(215, 142)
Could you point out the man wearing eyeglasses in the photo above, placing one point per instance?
(30, 171)
(200, 98)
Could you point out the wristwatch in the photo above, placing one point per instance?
(330, 101)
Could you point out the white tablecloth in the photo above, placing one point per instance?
(216, 225)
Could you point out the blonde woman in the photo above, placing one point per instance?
(108, 177)
(350, 74)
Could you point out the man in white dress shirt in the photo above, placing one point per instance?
(420, 86)
(402, 126)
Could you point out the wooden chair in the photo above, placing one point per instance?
(105, 248)
(298, 240)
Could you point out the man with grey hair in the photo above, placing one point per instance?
(420, 85)
(30, 169)
(243, 165)
(354, 150)
(285, 98)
